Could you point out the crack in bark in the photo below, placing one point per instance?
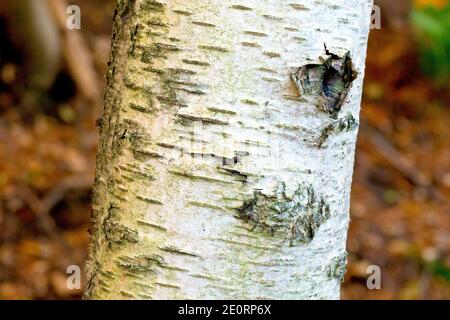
(116, 232)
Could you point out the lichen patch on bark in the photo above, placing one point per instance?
(328, 81)
(296, 220)
(338, 266)
(345, 124)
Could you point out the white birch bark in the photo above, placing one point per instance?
(266, 216)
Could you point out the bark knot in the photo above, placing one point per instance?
(295, 219)
(328, 81)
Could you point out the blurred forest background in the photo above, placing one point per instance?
(51, 84)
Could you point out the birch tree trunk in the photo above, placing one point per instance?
(227, 148)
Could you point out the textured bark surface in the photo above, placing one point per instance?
(227, 149)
